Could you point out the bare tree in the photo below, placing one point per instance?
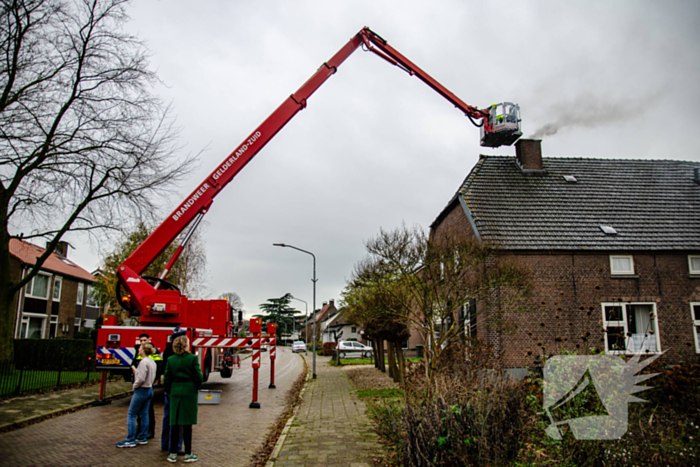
(84, 145)
(369, 303)
(409, 279)
(233, 299)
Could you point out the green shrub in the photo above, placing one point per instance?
(54, 354)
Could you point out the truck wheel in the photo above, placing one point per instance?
(226, 372)
(207, 366)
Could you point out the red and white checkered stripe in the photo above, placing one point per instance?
(268, 340)
(256, 359)
(273, 352)
(224, 342)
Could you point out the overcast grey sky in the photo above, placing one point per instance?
(375, 147)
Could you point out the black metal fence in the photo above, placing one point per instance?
(19, 380)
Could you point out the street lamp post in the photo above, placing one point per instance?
(314, 300)
(306, 319)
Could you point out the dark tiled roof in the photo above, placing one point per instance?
(652, 204)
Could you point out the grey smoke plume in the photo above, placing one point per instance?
(592, 111)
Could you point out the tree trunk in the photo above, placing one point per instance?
(402, 363)
(392, 362)
(380, 356)
(7, 296)
(375, 353)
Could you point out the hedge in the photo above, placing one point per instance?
(328, 348)
(54, 354)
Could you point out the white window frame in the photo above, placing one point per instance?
(25, 320)
(90, 297)
(53, 320)
(623, 324)
(696, 325)
(29, 288)
(690, 264)
(81, 294)
(57, 280)
(629, 272)
(469, 317)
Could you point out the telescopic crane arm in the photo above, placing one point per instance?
(142, 298)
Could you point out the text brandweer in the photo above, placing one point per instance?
(187, 204)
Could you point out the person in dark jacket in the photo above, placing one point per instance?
(165, 434)
(183, 377)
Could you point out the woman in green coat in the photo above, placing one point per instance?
(183, 377)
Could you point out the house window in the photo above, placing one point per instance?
(695, 312)
(32, 326)
(77, 323)
(630, 328)
(81, 292)
(53, 327)
(621, 265)
(91, 299)
(38, 287)
(353, 330)
(57, 286)
(694, 264)
(468, 315)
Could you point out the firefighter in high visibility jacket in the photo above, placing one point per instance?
(160, 369)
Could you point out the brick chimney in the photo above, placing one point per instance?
(528, 153)
(61, 249)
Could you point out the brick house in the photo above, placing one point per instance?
(58, 301)
(327, 310)
(612, 248)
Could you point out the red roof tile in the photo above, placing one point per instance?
(27, 253)
(326, 308)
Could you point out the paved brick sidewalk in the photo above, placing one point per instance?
(331, 427)
(227, 434)
(21, 409)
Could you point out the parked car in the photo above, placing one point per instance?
(299, 346)
(352, 349)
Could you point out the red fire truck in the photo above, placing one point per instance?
(210, 324)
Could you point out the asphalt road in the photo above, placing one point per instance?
(226, 435)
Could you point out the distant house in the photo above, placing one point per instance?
(327, 310)
(612, 248)
(58, 301)
(337, 327)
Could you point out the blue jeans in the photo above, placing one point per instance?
(165, 435)
(139, 406)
